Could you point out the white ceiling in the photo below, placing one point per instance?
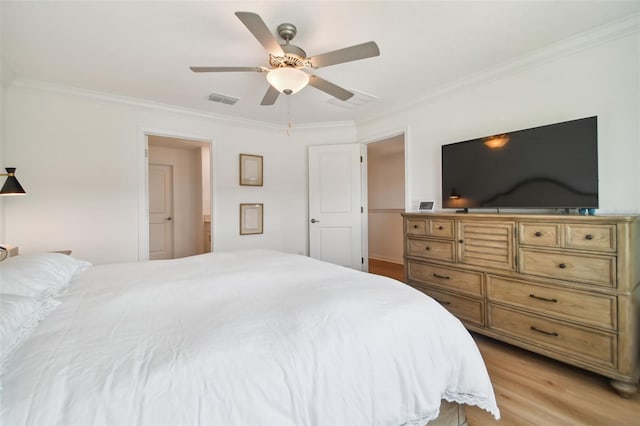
(143, 49)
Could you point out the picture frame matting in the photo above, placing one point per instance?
(251, 170)
(251, 218)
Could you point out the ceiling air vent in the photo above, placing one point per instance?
(222, 99)
(358, 99)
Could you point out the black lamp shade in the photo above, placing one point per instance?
(11, 185)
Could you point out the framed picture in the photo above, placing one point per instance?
(250, 170)
(250, 219)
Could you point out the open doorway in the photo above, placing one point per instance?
(179, 195)
(386, 202)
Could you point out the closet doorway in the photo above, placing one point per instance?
(386, 202)
(179, 196)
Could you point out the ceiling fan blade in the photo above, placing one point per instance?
(259, 29)
(226, 69)
(271, 96)
(348, 54)
(330, 88)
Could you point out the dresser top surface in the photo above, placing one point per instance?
(525, 216)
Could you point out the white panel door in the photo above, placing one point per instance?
(160, 211)
(335, 201)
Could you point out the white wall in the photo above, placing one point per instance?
(80, 157)
(2, 162)
(601, 79)
(385, 181)
(205, 166)
(385, 236)
(3, 83)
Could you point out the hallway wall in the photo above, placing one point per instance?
(385, 181)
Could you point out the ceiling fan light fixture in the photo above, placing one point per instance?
(288, 80)
(496, 142)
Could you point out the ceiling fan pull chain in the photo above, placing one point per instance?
(289, 115)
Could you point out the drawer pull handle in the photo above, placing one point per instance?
(444, 277)
(440, 227)
(427, 248)
(442, 302)
(562, 265)
(461, 241)
(589, 237)
(552, 333)
(538, 234)
(415, 226)
(543, 298)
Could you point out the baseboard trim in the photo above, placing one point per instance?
(387, 259)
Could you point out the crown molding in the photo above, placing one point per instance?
(569, 46)
(323, 125)
(39, 85)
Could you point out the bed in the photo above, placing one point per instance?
(236, 338)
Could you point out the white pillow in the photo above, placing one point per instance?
(19, 315)
(39, 275)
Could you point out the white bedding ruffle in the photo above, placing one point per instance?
(13, 335)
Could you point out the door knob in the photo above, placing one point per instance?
(314, 221)
(169, 218)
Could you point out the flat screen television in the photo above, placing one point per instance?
(552, 166)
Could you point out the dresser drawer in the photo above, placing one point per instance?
(464, 308)
(431, 249)
(585, 268)
(416, 227)
(591, 237)
(442, 228)
(588, 308)
(468, 282)
(577, 342)
(540, 234)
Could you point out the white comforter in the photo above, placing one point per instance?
(247, 338)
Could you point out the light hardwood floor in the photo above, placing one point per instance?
(533, 390)
(388, 269)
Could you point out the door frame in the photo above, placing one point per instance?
(377, 137)
(143, 182)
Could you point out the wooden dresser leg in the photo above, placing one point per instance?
(462, 416)
(624, 389)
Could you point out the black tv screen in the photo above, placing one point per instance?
(553, 166)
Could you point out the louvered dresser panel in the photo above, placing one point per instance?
(487, 244)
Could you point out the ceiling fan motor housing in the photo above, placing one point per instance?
(287, 31)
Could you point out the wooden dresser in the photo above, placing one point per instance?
(564, 286)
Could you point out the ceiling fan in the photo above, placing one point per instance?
(288, 61)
